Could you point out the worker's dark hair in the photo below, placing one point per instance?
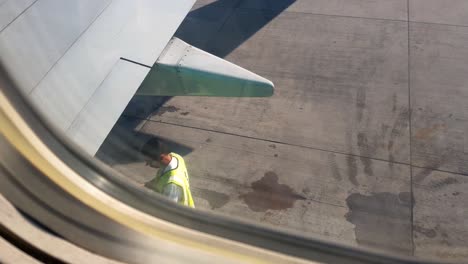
(153, 149)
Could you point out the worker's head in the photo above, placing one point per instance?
(156, 154)
(165, 158)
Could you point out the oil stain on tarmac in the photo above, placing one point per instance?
(382, 220)
(268, 194)
(165, 109)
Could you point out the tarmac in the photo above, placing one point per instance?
(365, 141)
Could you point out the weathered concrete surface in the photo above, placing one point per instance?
(439, 96)
(440, 215)
(343, 85)
(453, 12)
(384, 9)
(340, 91)
(288, 186)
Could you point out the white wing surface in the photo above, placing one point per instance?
(65, 56)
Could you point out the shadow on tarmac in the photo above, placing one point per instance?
(258, 13)
(124, 142)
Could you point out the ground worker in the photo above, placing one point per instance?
(172, 179)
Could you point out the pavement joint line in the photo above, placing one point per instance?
(268, 140)
(294, 145)
(410, 130)
(439, 170)
(371, 18)
(440, 24)
(319, 14)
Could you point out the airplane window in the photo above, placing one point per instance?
(340, 121)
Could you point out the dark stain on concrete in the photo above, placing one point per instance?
(390, 145)
(168, 108)
(208, 140)
(422, 175)
(455, 193)
(443, 183)
(268, 194)
(365, 152)
(352, 170)
(273, 146)
(430, 233)
(384, 129)
(400, 124)
(276, 155)
(394, 101)
(334, 167)
(185, 113)
(381, 220)
(391, 160)
(360, 102)
(391, 157)
(367, 166)
(405, 198)
(214, 198)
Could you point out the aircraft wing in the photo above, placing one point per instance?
(65, 56)
(81, 61)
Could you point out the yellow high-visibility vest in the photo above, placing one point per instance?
(178, 176)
